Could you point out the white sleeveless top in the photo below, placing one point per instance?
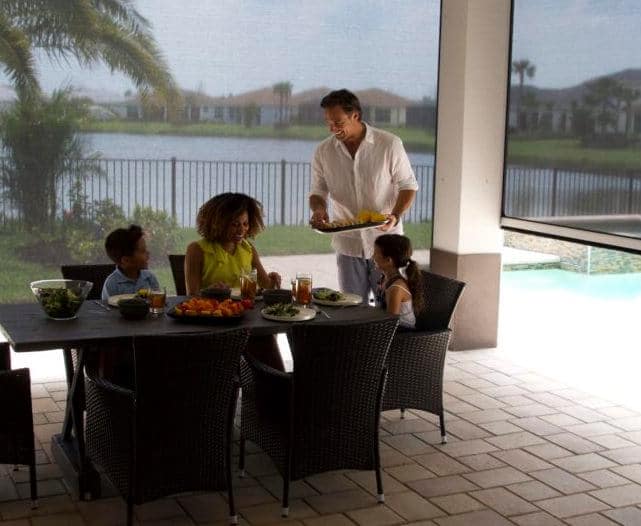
(406, 316)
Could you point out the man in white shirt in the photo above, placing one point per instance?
(358, 167)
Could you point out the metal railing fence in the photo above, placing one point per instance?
(179, 187)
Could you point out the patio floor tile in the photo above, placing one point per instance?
(539, 518)
(459, 503)
(625, 516)
(504, 502)
(517, 455)
(412, 507)
(497, 477)
(593, 519)
(562, 480)
(571, 505)
(619, 496)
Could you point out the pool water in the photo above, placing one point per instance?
(596, 286)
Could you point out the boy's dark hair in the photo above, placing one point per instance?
(343, 98)
(399, 248)
(215, 216)
(122, 242)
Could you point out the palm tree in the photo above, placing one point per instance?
(284, 91)
(522, 68)
(602, 97)
(629, 96)
(39, 133)
(90, 31)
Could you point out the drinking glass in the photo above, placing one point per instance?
(157, 299)
(249, 285)
(303, 289)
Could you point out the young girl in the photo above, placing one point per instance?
(401, 287)
(224, 253)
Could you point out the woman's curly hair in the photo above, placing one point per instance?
(215, 216)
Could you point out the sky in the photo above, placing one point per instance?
(232, 46)
(571, 41)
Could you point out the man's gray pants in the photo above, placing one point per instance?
(357, 275)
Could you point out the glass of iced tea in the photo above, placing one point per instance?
(157, 299)
(249, 285)
(303, 289)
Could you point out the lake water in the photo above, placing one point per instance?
(132, 146)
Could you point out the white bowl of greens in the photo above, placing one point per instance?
(61, 298)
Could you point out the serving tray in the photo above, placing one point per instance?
(346, 228)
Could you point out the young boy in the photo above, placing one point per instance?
(126, 247)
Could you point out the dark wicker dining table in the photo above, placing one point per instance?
(27, 329)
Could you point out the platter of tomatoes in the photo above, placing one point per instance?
(209, 310)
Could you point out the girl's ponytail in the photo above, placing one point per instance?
(415, 283)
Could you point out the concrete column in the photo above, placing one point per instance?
(469, 161)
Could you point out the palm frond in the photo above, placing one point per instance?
(16, 57)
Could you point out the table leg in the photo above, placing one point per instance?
(69, 447)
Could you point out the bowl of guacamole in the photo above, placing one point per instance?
(61, 298)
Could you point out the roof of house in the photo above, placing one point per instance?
(382, 98)
(310, 96)
(260, 97)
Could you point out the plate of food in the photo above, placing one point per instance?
(287, 312)
(142, 293)
(208, 311)
(235, 294)
(335, 298)
(113, 300)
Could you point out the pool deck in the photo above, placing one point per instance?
(323, 266)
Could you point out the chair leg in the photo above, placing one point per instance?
(286, 476)
(285, 509)
(241, 457)
(233, 518)
(441, 418)
(33, 481)
(130, 511)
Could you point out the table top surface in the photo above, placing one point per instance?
(27, 328)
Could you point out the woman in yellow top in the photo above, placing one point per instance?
(224, 253)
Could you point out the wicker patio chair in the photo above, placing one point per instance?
(5, 356)
(173, 432)
(16, 424)
(97, 274)
(417, 357)
(325, 415)
(177, 263)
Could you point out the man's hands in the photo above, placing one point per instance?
(319, 216)
(392, 220)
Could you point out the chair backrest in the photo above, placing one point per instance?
(97, 274)
(441, 297)
(177, 263)
(186, 392)
(16, 421)
(337, 389)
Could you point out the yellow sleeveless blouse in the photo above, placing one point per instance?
(219, 265)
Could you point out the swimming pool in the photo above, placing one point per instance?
(596, 286)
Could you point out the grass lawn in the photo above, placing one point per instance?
(414, 139)
(275, 241)
(568, 153)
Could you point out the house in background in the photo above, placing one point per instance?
(552, 111)
(383, 108)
